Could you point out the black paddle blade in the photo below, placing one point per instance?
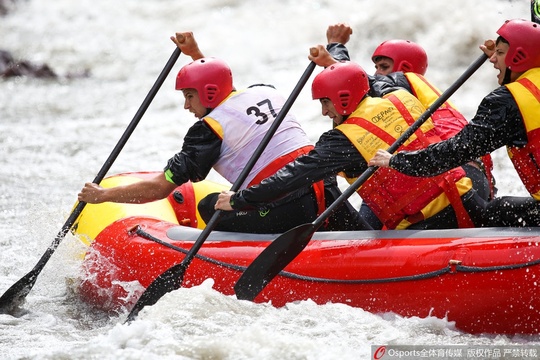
(168, 281)
(272, 260)
(15, 296)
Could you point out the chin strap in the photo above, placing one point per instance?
(507, 73)
(208, 111)
(345, 117)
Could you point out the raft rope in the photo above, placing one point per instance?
(453, 267)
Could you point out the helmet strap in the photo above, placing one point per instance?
(507, 74)
(208, 111)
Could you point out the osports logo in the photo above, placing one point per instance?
(379, 352)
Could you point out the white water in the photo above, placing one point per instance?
(56, 134)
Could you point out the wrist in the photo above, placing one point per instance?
(233, 201)
(390, 162)
(197, 55)
(237, 202)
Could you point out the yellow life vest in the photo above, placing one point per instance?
(526, 93)
(397, 199)
(447, 119)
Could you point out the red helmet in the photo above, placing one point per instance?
(524, 39)
(407, 56)
(212, 78)
(344, 83)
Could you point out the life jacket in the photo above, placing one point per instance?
(397, 199)
(526, 159)
(242, 121)
(447, 119)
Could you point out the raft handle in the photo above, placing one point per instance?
(178, 197)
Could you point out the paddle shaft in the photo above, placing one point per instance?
(172, 278)
(286, 247)
(20, 289)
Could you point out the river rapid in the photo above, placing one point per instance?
(55, 135)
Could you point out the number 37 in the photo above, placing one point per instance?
(256, 110)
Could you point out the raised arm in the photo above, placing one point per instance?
(338, 33)
(187, 44)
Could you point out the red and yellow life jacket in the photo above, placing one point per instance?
(399, 200)
(447, 119)
(526, 159)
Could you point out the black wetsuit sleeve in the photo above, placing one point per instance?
(332, 154)
(338, 51)
(200, 151)
(381, 85)
(497, 123)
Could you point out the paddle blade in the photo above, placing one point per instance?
(15, 296)
(272, 260)
(168, 281)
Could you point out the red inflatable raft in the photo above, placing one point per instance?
(486, 280)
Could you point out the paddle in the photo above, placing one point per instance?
(17, 293)
(172, 278)
(287, 246)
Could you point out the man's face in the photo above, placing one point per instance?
(193, 103)
(383, 65)
(497, 59)
(328, 109)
